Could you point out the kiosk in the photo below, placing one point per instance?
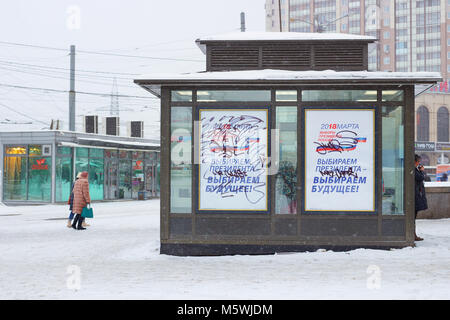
(286, 143)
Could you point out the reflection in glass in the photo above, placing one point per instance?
(286, 179)
(95, 153)
(63, 178)
(138, 178)
(111, 176)
(35, 150)
(16, 150)
(339, 95)
(233, 95)
(39, 179)
(180, 155)
(286, 95)
(393, 160)
(392, 95)
(15, 178)
(96, 178)
(183, 96)
(124, 179)
(82, 152)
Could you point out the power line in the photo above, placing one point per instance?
(58, 76)
(66, 91)
(67, 69)
(22, 114)
(97, 52)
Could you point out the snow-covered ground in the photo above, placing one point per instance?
(118, 258)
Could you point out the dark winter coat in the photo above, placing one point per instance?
(70, 202)
(81, 195)
(420, 196)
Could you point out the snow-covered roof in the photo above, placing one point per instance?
(284, 36)
(281, 36)
(287, 75)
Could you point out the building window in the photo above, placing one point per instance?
(286, 179)
(180, 160)
(339, 95)
(392, 158)
(442, 125)
(423, 125)
(233, 95)
(64, 173)
(387, 60)
(183, 96)
(92, 161)
(27, 174)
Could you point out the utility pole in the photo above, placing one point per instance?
(242, 21)
(72, 90)
(279, 15)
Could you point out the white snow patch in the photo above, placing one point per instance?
(118, 256)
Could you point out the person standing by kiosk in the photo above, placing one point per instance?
(420, 196)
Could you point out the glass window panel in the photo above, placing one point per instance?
(393, 157)
(15, 178)
(124, 154)
(64, 150)
(111, 179)
(181, 167)
(82, 152)
(150, 181)
(16, 150)
(182, 96)
(64, 178)
(137, 181)
(96, 153)
(233, 95)
(35, 150)
(286, 95)
(96, 178)
(81, 164)
(39, 179)
(339, 95)
(138, 155)
(286, 178)
(111, 154)
(150, 155)
(158, 167)
(392, 95)
(124, 179)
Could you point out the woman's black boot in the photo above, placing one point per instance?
(75, 220)
(80, 221)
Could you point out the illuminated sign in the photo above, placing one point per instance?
(40, 165)
(233, 155)
(339, 160)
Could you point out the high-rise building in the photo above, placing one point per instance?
(413, 35)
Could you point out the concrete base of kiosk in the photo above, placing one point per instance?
(238, 249)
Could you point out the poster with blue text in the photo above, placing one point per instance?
(339, 160)
(233, 153)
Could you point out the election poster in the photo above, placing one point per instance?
(233, 152)
(339, 160)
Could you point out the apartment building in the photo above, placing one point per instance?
(413, 36)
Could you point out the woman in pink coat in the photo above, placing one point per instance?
(81, 199)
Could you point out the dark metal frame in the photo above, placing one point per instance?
(382, 231)
(196, 167)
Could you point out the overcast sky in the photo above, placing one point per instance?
(150, 28)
